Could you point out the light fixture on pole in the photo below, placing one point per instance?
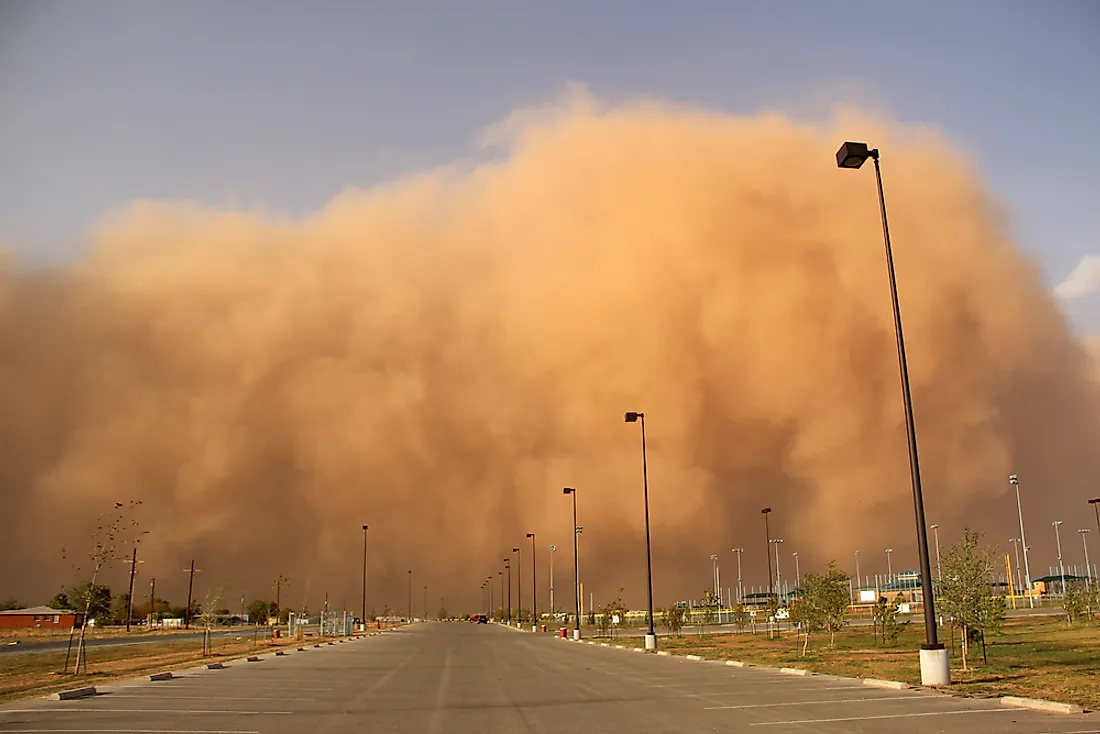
(1085, 543)
(935, 663)
(1014, 480)
(1061, 568)
(651, 635)
(363, 614)
(534, 587)
(939, 567)
(740, 590)
(768, 550)
(576, 565)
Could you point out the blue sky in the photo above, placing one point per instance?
(281, 105)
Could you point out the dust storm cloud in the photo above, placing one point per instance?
(437, 357)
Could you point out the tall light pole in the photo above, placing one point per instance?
(740, 591)
(553, 612)
(768, 550)
(1015, 482)
(425, 603)
(519, 585)
(858, 582)
(508, 575)
(939, 567)
(651, 636)
(1096, 511)
(1061, 568)
(501, 582)
(1016, 549)
(410, 617)
(1085, 543)
(935, 664)
(797, 571)
(778, 581)
(714, 573)
(363, 617)
(534, 586)
(889, 565)
(576, 565)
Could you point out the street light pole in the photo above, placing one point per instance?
(935, 663)
(740, 590)
(553, 611)
(768, 549)
(1015, 482)
(410, 617)
(534, 586)
(519, 585)
(651, 636)
(714, 573)
(778, 581)
(889, 565)
(508, 575)
(364, 605)
(1096, 511)
(576, 565)
(939, 567)
(1016, 550)
(858, 582)
(797, 571)
(1061, 568)
(1085, 543)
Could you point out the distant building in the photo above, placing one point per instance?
(39, 618)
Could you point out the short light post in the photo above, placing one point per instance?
(935, 663)
(1061, 568)
(576, 564)
(740, 590)
(651, 636)
(1014, 480)
(1085, 544)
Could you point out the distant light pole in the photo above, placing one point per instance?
(410, 596)
(740, 591)
(889, 565)
(425, 603)
(935, 663)
(778, 581)
(534, 584)
(364, 606)
(714, 572)
(651, 636)
(1016, 549)
(1015, 482)
(576, 565)
(519, 585)
(858, 582)
(553, 612)
(1085, 543)
(768, 550)
(939, 567)
(508, 575)
(797, 572)
(1061, 568)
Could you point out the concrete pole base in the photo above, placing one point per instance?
(576, 634)
(534, 628)
(935, 667)
(650, 641)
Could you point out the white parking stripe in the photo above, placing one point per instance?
(66, 710)
(827, 702)
(885, 716)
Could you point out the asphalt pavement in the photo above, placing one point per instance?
(479, 679)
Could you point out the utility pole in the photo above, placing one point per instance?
(130, 596)
(190, 596)
(552, 548)
(279, 581)
(153, 602)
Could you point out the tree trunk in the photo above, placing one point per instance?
(965, 644)
(806, 643)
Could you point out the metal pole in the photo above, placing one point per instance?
(576, 568)
(740, 589)
(153, 602)
(519, 584)
(1085, 543)
(797, 572)
(778, 583)
(939, 567)
(508, 573)
(1015, 482)
(889, 565)
(410, 617)
(1061, 568)
(425, 603)
(130, 598)
(534, 583)
(363, 616)
(501, 574)
(552, 610)
(1016, 549)
(768, 549)
(190, 587)
(931, 630)
(648, 559)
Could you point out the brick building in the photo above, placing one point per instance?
(38, 618)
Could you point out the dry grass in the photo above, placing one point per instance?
(1036, 659)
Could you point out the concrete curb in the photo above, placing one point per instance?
(794, 671)
(897, 685)
(735, 663)
(215, 666)
(639, 649)
(253, 659)
(74, 693)
(280, 653)
(694, 657)
(1039, 704)
(663, 652)
(162, 676)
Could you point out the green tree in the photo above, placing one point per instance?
(740, 616)
(10, 603)
(60, 601)
(708, 606)
(673, 619)
(259, 610)
(884, 615)
(1075, 601)
(93, 599)
(822, 603)
(966, 594)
